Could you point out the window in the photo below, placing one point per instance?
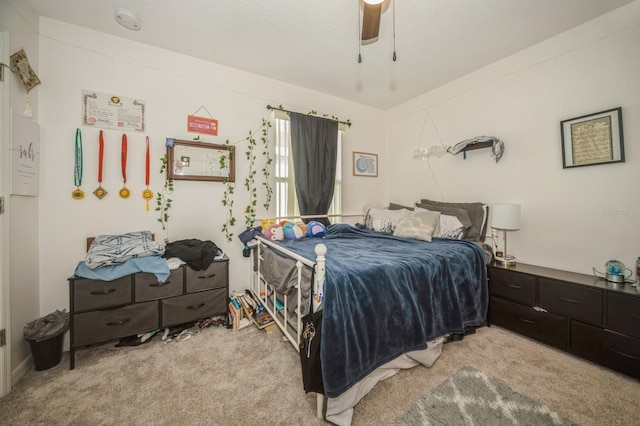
(285, 190)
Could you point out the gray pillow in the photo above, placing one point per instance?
(394, 206)
(476, 212)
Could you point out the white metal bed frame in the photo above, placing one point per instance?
(263, 290)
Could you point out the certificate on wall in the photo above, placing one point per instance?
(109, 111)
(25, 156)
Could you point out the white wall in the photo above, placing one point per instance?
(22, 24)
(173, 86)
(572, 219)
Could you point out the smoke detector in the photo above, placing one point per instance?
(127, 19)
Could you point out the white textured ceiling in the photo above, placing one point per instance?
(314, 43)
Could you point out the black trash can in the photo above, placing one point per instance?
(47, 353)
(46, 337)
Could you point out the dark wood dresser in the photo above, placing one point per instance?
(101, 311)
(581, 314)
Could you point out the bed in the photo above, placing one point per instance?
(389, 298)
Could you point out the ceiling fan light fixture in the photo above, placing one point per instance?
(127, 19)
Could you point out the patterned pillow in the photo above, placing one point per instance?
(449, 227)
(460, 213)
(383, 220)
(419, 225)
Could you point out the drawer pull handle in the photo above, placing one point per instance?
(159, 284)
(569, 300)
(625, 355)
(526, 320)
(124, 321)
(100, 293)
(195, 306)
(513, 286)
(204, 277)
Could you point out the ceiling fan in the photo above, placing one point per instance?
(371, 12)
(372, 9)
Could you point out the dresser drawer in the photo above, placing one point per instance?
(544, 327)
(195, 306)
(100, 326)
(587, 341)
(215, 276)
(574, 301)
(148, 287)
(622, 353)
(623, 314)
(514, 286)
(94, 294)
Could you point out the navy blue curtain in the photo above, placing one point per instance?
(314, 149)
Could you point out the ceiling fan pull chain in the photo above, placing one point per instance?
(359, 41)
(394, 31)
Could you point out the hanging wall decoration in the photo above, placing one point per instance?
(100, 192)
(107, 111)
(147, 194)
(124, 192)
(204, 125)
(77, 194)
(25, 156)
(593, 139)
(28, 77)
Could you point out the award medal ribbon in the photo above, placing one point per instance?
(100, 191)
(78, 194)
(124, 192)
(147, 194)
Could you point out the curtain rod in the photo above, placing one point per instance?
(269, 107)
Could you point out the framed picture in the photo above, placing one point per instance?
(189, 160)
(365, 164)
(593, 139)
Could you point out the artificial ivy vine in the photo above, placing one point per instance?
(227, 198)
(163, 202)
(250, 180)
(267, 163)
(332, 117)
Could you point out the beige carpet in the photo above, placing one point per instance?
(248, 377)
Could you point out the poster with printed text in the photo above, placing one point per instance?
(109, 111)
(25, 156)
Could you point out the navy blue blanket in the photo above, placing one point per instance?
(385, 296)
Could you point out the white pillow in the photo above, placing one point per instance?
(383, 220)
(449, 227)
(419, 225)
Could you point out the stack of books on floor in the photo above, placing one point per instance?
(245, 309)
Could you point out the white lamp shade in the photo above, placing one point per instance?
(505, 216)
(373, 1)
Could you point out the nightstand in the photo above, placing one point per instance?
(581, 314)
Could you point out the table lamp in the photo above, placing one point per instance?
(505, 217)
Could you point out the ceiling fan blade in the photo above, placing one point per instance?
(371, 21)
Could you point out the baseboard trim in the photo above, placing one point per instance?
(21, 371)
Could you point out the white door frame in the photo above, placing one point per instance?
(5, 351)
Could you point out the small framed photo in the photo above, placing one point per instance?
(365, 164)
(593, 139)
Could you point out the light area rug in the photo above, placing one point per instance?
(471, 397)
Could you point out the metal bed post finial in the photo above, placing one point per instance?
(318, 285)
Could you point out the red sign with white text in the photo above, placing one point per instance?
(208, 126)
